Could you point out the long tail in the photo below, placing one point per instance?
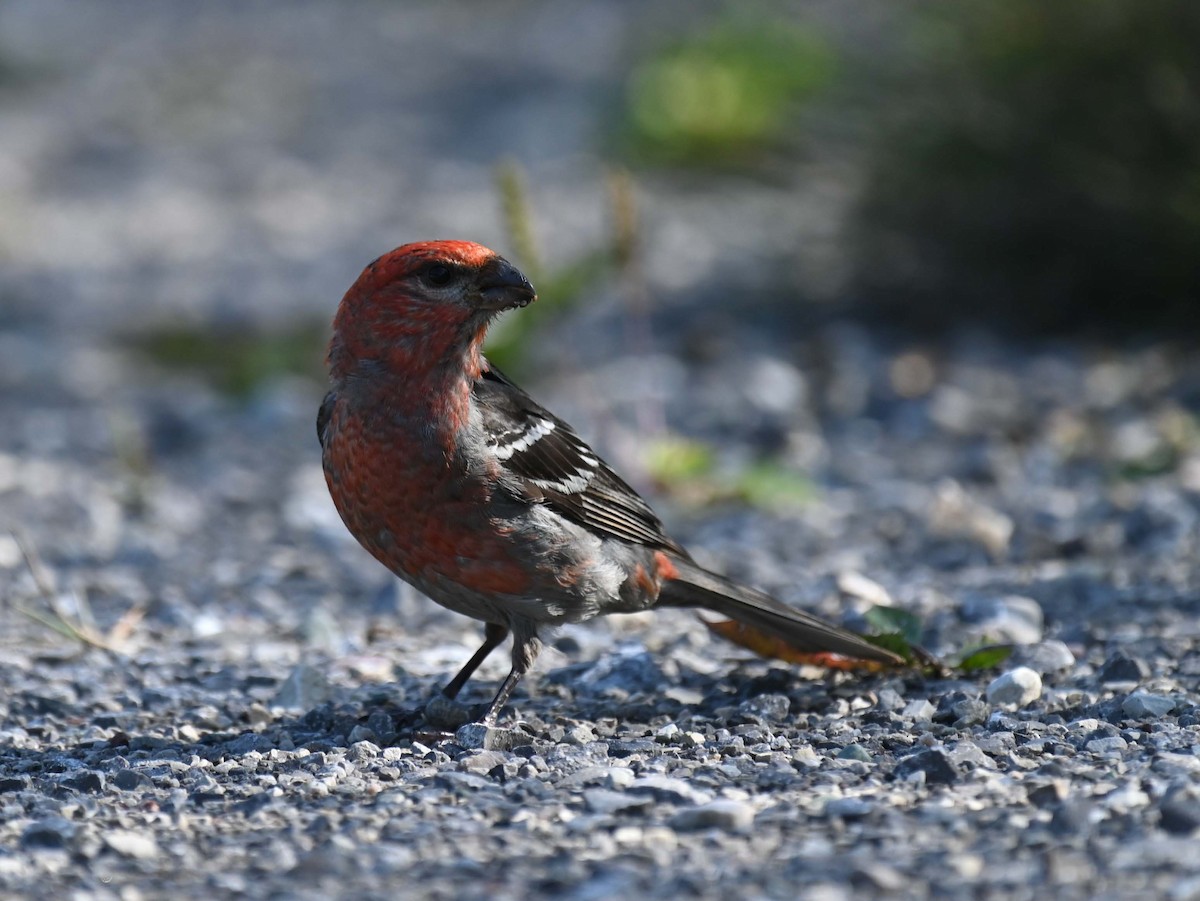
(693, 586)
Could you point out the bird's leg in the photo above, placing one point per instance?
(525, 651)
(493, 634)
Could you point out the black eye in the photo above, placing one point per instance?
(438, 275)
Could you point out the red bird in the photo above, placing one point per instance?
(462, 485)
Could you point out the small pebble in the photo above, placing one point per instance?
(53, 832)
(1046, 657)
(848, 808)
(1110, 745)
(1179, 811)
(934, 764)
(723, 814)
(305, 687)
(669, 789)
(920, 710)
(1014, 618)
(127, 843)
(1047, 794)
(1017, 687)
(1121, 667)
(855, 752)
(482, 762)
(1143, 705)
(603, 800)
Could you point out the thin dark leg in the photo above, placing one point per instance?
(498, 702)
(493, 634)
(525, 651)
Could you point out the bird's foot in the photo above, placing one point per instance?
(487, 735)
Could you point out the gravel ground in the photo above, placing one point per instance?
(256, 727)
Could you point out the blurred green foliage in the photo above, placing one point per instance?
(1037, 166)
(676, 461)
(684, 468)
(687, 470)
(988, 657)
(237, 361)
(895, 621)
(725, 93)
(559, 287)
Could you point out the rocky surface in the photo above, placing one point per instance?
(255, 726)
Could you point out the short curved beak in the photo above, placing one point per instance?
(502, 286)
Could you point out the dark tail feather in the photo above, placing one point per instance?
(696, 587)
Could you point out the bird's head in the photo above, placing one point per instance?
(460, 278)
(425, 303)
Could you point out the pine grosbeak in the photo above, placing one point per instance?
(462, 485)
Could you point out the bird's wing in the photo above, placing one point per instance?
(554, 466)
(324, 414)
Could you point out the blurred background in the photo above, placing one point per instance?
(782, 248)
(882, 303)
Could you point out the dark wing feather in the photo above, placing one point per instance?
(323, 416)
(556, 467)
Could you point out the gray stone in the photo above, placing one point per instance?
(1143, 705)
(919, 711)
(52, 832)
(482, 762)
(1046, 657)
(361, 734)
(723, 814)
(666, 734)
(774, 708)
(579, 734)
(1048, 794)
(967, 755)
(247, 743)
(880, 877)
(305, 687)
(608, 776)
(934, 764)
(86, 782)
(848, 808)
(1072, 818)
(603, 800)
(1179, 812)
(855, 752)
(1102, 746)
(888, 699)
(968, 712)
(1121, 667)
(462, 782)
(669, 789)
(619, 777)
(1013, 618)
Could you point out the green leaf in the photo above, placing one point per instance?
(894, 620)
(985, 657)
(894, 642)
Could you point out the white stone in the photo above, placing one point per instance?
(1018, 687)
